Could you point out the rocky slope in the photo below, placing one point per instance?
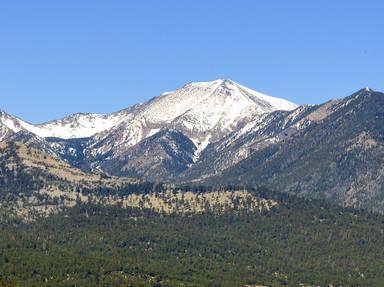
(339, 155)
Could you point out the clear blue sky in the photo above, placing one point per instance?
(61, 57)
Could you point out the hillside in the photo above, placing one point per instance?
(35, 185)
(296, 243)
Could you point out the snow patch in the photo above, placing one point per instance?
(200, 146)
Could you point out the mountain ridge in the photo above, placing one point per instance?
(202, 111)
(42, 129)
(221, 132)
(339, 156)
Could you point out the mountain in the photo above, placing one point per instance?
(10, 125)
(200, 113)
(223, 133)
(338, 155)
(196, 108)
(231, 216)
(254, 134)
(157, 157)
(80, 125)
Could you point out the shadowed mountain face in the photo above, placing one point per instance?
(339, 156)
(159, 157)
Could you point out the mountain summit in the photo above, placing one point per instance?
(206, 106)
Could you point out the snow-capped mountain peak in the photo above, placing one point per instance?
(11, 124)
(202, 111)
(218, 97)
(197, 106)
(227, 87)
(80, 125)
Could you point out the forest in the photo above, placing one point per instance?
(307, 242)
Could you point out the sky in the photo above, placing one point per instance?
(62, 57)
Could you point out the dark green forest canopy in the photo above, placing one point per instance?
(300, 241)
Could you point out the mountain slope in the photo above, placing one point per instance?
(203, 112)
(255, 133)
(81, 125)
(34, 185)
(10, 125)
(339, 156)
(158, 157)
(78, 125)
